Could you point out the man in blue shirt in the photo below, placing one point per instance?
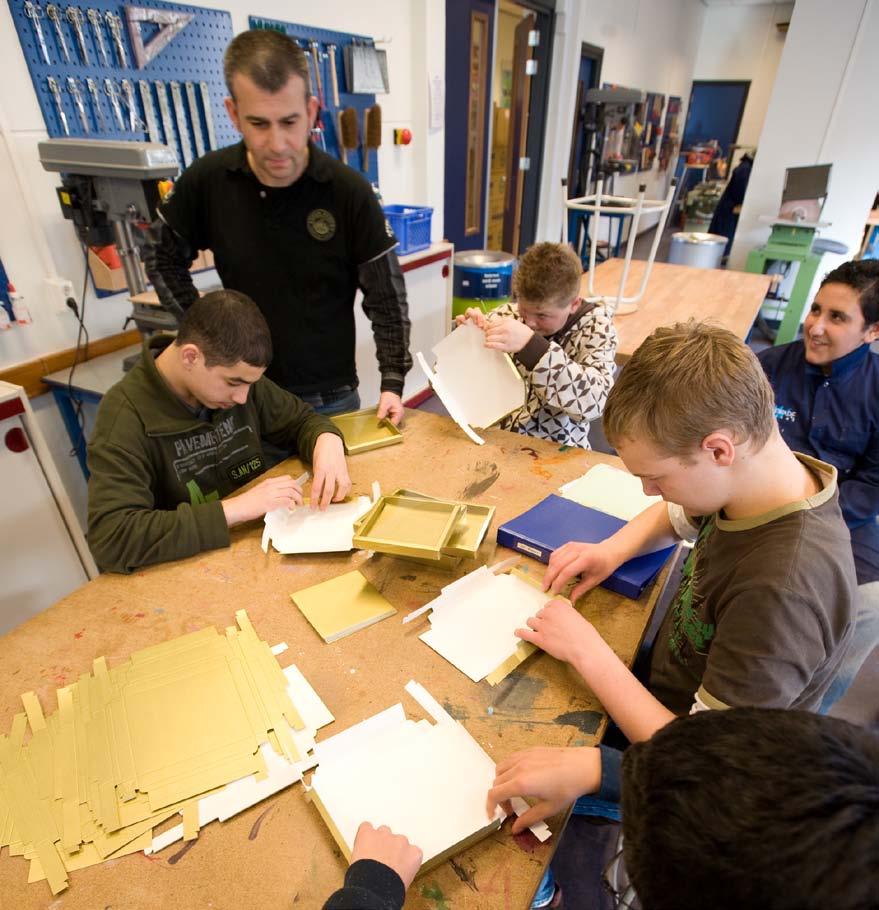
(827, 405)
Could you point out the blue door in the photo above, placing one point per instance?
(469, 41)
(715, 112)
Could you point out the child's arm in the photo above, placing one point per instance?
(575, 379)
(562, 632)
(650, 531)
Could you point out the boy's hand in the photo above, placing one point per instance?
(507, 335)
(559, 630)
(382, 845)
(474, 315)
(390, 406)
(555, 776)
(331, 481)
(593, 562)
(271, 493)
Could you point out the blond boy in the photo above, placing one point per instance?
(563, 346)
(763, 614)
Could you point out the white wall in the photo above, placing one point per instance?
(822, 109)
(742, 43)
(648, 44)
(36, 243)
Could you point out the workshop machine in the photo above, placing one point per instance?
(110, 191)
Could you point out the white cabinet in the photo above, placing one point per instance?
(45, 553)
(428, 275)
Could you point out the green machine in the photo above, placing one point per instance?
(793, 241)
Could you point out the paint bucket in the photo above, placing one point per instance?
(483, 278)
(693, 248)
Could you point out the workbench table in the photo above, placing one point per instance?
(676, 293)
(279, 854)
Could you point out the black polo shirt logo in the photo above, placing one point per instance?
(321, 224)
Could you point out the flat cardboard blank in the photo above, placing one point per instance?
(609, 490)
(474, 620)
(477, 385)
(303, 530)
(425, 780)
(342, 606)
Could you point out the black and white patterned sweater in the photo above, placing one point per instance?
(567, 376)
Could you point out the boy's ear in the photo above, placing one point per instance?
(872, 333)
(190, 355)
(721, 447)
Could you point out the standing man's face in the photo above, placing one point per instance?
(275, 127)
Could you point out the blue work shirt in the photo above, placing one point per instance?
(835, 417)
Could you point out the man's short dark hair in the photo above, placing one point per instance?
(753, 808)
(860, 275)
(268, 58)
(227, 327)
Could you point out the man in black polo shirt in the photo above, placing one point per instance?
(291, 227)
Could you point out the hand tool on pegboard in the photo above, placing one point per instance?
(59, 104)
(79, 104)
(317, 131)
(182, 127)
(114, 23)
(170, 23)
(348, 136)
(208, 114)
(100, 120)
(53, 11)
(334, 76)
(77, 21)
(372, 132)
(195, 119)
(94, 17)
(34, 12)
(134, 121)
(165, 114)
(112, 94)
(149, 112)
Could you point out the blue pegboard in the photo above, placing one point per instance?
(360, 102)
(194, 55)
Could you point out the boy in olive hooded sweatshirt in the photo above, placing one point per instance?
(184, 429)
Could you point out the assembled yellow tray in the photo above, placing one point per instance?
(363, 431)
(469, 532)
(403, 526)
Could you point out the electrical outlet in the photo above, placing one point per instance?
(57, 290)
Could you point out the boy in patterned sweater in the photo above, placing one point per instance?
(563, 346)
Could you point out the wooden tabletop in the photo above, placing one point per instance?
(280, 854)
(676, 293)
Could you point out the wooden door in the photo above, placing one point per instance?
(517, 163)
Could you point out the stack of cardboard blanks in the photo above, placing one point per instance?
(132, 745)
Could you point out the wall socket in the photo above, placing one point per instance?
(57, 290)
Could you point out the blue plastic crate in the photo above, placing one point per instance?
(411, 224)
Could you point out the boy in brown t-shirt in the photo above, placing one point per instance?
(764, 612)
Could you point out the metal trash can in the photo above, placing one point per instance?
(482, 278)
(693, 248)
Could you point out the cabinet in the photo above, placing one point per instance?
(45, 556)
(429, 292)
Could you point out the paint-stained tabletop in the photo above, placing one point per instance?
(280, 854)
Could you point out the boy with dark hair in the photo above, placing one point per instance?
(827, 405)
(725, 810)
(564, 347)
(763, 614)
(184, 429)
(293, 228)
